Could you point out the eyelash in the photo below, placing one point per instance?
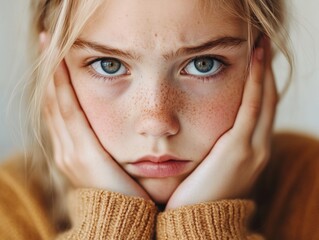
(225, 64)
(98, 76)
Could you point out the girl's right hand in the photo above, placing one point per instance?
(77, 151)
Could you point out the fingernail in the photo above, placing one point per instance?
(260, 53)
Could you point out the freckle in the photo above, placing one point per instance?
(155, 34)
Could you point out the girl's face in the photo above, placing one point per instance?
(159, 82)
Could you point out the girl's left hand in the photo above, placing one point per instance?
(238, 157)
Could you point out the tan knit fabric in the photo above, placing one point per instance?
(286, 197)
(99, 214)
(220, 220)
(22, 213)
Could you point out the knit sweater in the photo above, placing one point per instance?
(283, 205)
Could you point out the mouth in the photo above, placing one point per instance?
(159, 167)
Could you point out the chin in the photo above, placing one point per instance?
(160, 199)
(160, 189)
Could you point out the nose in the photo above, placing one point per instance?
(157, 113)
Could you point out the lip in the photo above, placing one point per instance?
(159, 167)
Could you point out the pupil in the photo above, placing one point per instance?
(204, 65)
(110, 65)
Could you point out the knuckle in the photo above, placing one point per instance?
(244, 154)
(48, 109)
(49, 105)
(60, 163)
(67, 111)
(263, 155)
(69, 161)
(254, 108)
(258, 81)
(58, 82)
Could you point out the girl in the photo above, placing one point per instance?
(149, 122)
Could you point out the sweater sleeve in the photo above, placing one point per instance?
(287, 194)
(22, 213)
(99, 214)
(226, 219)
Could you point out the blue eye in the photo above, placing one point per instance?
(203, 66)
(109, 67)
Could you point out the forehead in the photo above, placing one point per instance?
(153, 23)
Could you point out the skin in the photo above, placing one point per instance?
(155, 110)
(100, 126)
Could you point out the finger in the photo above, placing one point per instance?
(60, 139)
(56, 118)
(71, 112)
(265, 123)
(249, 110)
(55, 140)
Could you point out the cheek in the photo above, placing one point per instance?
(104, 118)
(108, 119)
(213, 115)
(219, 112)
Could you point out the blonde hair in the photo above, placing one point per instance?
(64, 20)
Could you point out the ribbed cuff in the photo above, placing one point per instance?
(98, 214)
(225, 219)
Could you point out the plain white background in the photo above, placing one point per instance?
(298, 110)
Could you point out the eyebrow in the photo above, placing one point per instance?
(83, 44)
(223, 42)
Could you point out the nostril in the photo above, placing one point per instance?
(158, 125)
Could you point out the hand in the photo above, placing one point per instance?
(77, 151)
(238, 157)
